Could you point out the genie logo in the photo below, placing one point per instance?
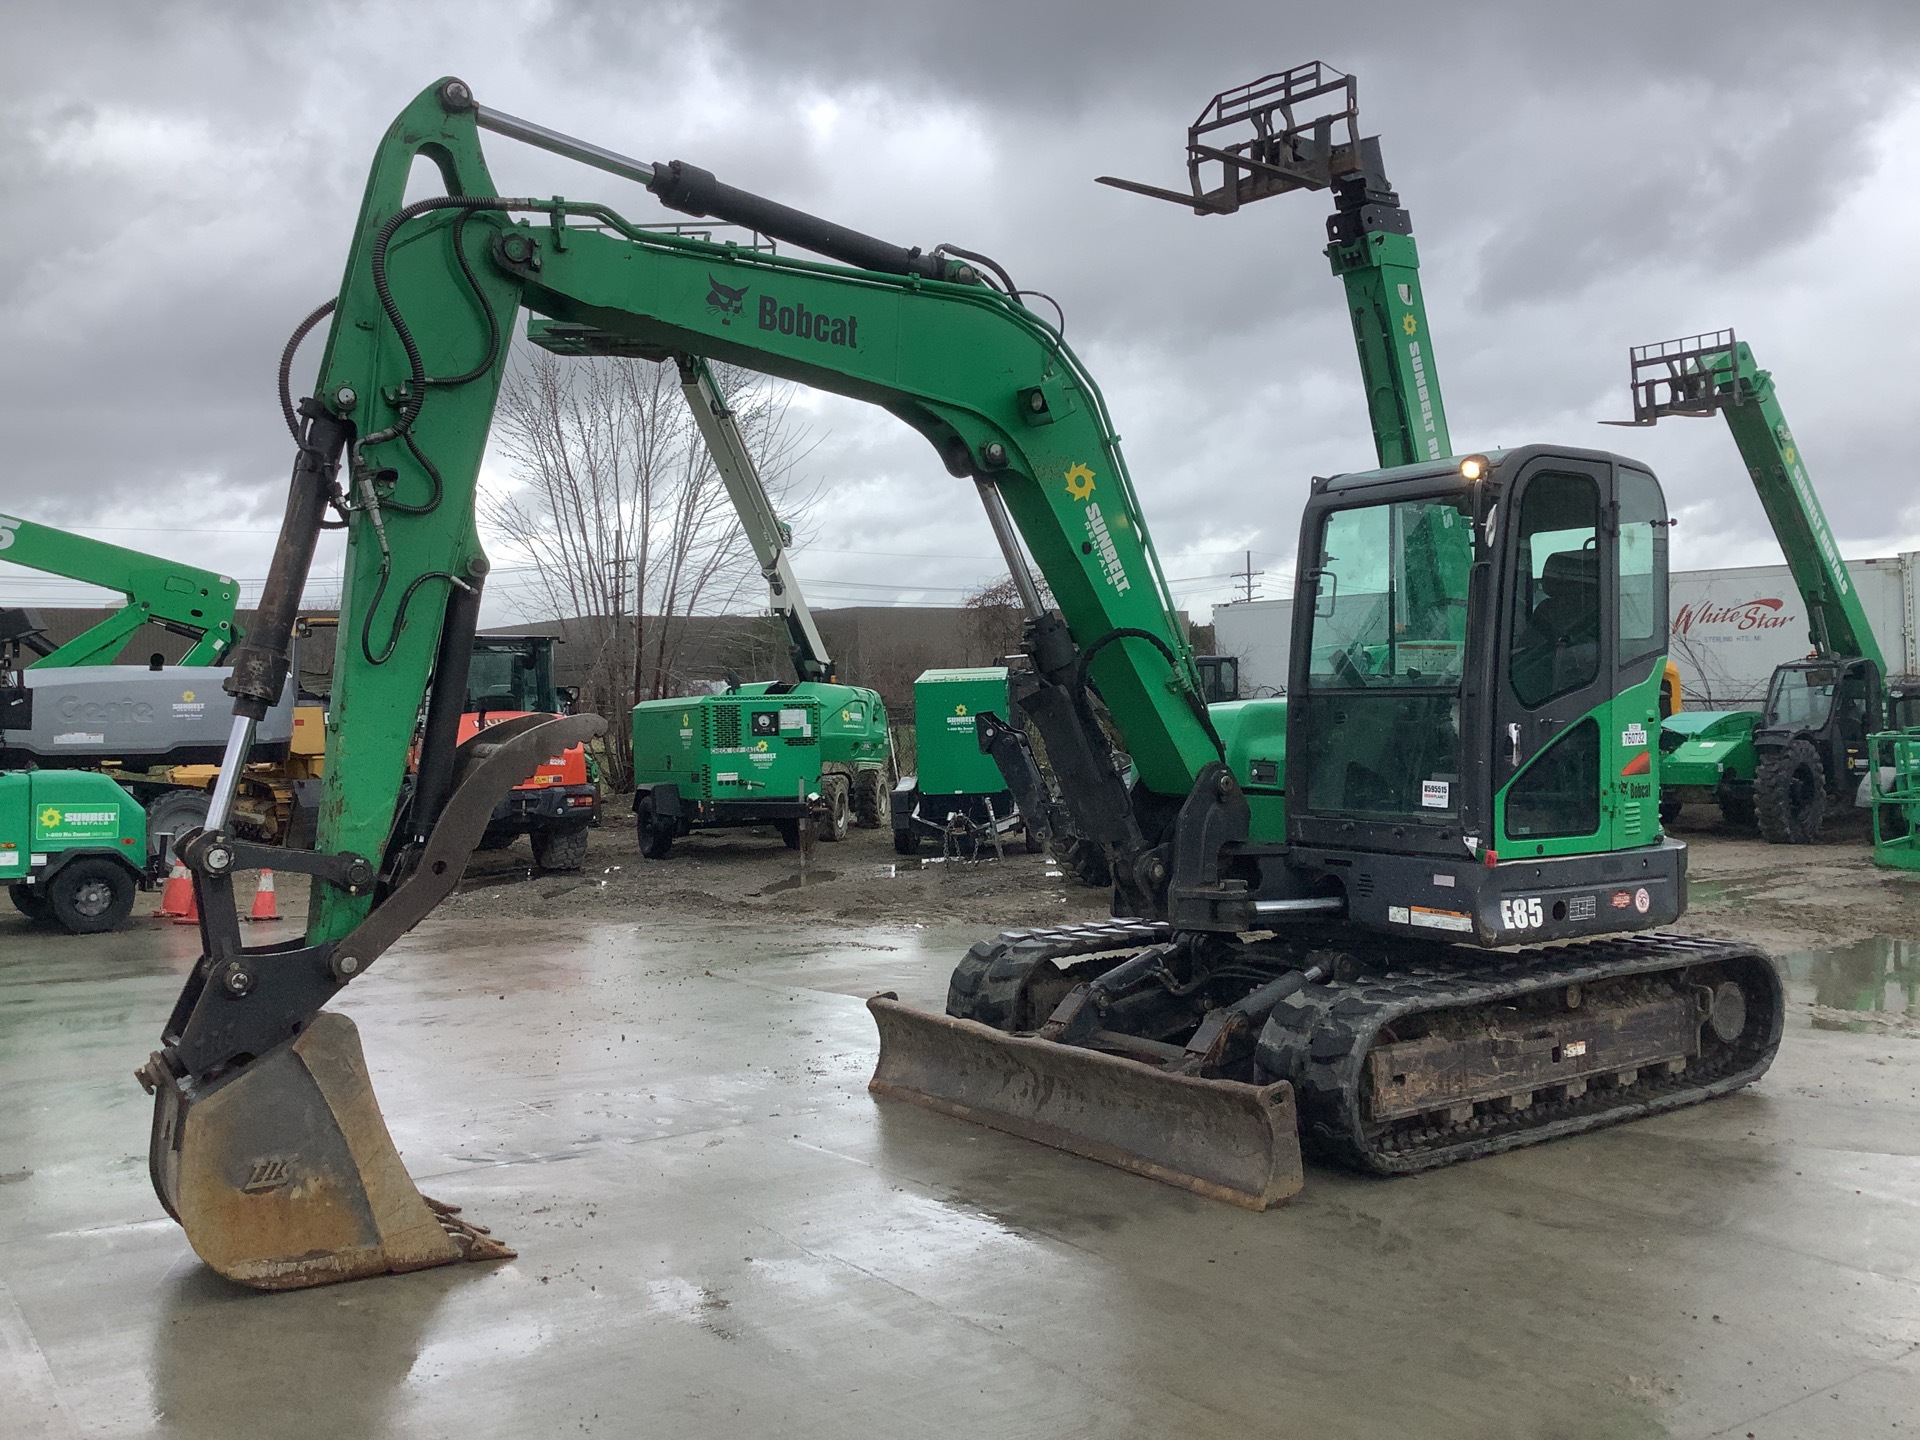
(1764, 614)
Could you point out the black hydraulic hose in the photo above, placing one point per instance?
(1194, 703)
(300, 333)
(1006, 280)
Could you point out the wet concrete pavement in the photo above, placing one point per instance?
(721, 1233)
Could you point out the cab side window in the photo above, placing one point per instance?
(1556, 620)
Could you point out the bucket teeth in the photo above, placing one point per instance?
(283, 1174)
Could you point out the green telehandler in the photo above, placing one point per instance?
(1468, 749)
(1809, 745)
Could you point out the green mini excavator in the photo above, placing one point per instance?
(1465, 768)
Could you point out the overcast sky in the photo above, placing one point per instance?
(178, 182)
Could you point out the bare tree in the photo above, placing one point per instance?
(995, 620)
(624, 519)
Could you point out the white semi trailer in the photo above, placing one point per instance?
(1730, 628)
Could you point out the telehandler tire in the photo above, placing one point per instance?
(870, 798)
(789, 833)
(561, 848)
(90, 896)
(836, 791)
(1790, 795)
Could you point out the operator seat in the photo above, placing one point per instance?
(1558, 648)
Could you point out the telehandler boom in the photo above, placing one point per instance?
(1299, 129)
(1468, 745)
(1810, 743)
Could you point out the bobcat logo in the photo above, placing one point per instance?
(724, 300)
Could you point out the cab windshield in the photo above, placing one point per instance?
(1389, 641)
(1390, 609)
(516, 678)
(1801, 698)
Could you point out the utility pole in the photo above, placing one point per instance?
(1248, 576)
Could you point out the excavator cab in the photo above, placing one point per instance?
(1477, 661)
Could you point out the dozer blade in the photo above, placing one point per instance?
(284, 1176)
(1218, 1138)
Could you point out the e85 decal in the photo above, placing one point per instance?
(1523, 914)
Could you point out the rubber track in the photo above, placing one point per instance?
(1319, 1039)
(988, 982)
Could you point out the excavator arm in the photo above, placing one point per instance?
(268, 1144)
(183, 599)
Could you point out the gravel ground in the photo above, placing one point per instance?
(1786, 898)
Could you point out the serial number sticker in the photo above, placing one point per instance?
(1573, 1049)
(1522, 914)
(727, 777)
(1432, 919)
(1634, 735)
(1583, 907)
(1434, 794)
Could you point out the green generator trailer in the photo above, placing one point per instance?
(856, 750)
(711, 762)
(73, 848)
(957, 795)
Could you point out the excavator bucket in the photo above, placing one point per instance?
(278, 1164)
(284, 1175)
(1218, 1138)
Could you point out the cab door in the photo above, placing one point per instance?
(1557, 673)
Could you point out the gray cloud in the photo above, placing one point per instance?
(179, 180)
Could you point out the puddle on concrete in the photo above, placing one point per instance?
(799, 880)
(1869, 986)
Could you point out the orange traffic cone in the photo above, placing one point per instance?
(190, 915)
(176, 899)
(264, 905)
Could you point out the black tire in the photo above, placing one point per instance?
(836, 791)
(656, 839)
(906, 842)
(1670, 811)
(90, 896)
(870, 798)
(31, 902)
(789, 833)
(174, 812)
(1790, 795)
(561, 848)
(497, 839)
(1736, 811)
